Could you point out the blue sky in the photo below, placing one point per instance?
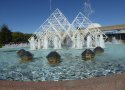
(27, 15)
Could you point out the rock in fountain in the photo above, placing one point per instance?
(21, 52)
(25, 55)
(88, 55)
(53, 58)
(98, 50)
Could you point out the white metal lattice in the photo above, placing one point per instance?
(57, 28)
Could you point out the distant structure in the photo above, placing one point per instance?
(57, 33)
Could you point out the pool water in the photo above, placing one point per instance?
(72, 67)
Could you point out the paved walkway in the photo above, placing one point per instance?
(114, 82)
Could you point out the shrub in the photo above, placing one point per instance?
(1, 45)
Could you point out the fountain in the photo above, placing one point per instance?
(56, 28)
(57, 43)
(32, 43)
(78, 43)
(80, 37)
(115, 41)
(101, 41)
(39, 43)
(45, 43)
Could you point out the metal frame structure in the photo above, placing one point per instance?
(55, 30)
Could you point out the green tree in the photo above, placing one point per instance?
(0, 37)
(0, 40)
(18, 37)
(5, 35)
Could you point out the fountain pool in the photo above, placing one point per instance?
(72, 67)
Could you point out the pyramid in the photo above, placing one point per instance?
(81, 22)
(57, 23)
(56, 28)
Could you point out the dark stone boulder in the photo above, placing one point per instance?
(53, 58)
(21, 52)
(98, 50)
(88, 55)
(25, 55)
